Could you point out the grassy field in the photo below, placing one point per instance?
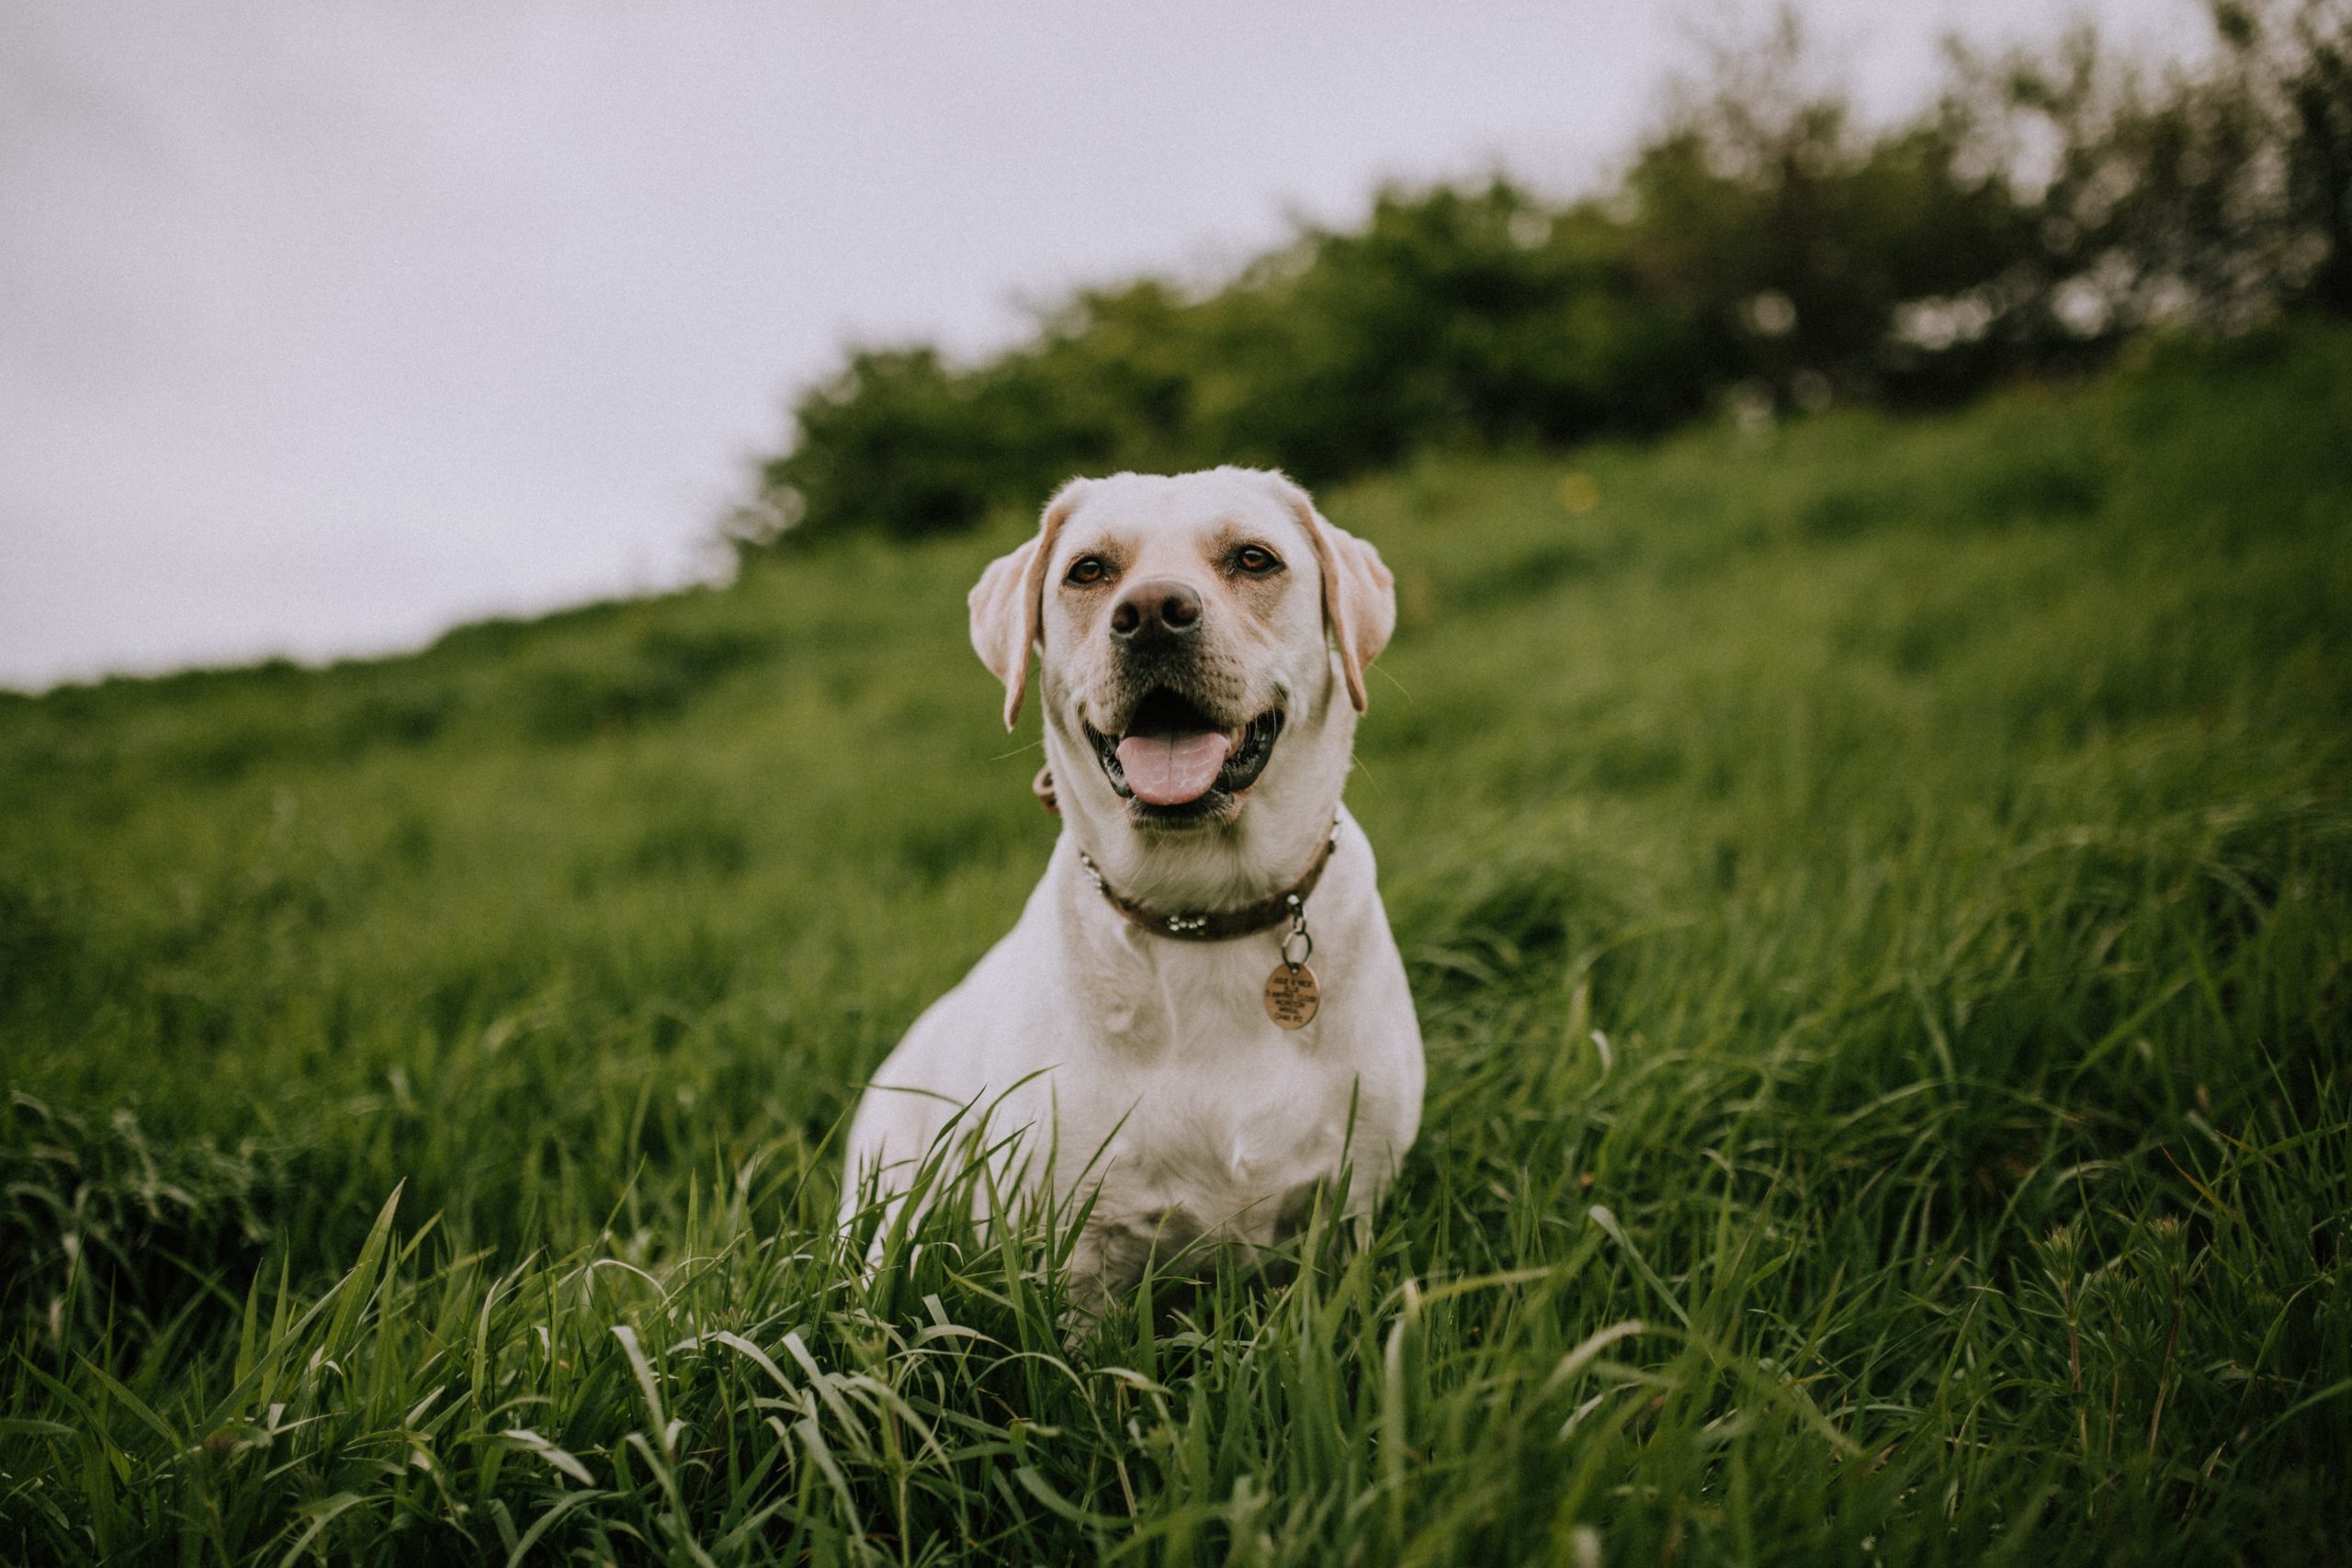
(1879, 894)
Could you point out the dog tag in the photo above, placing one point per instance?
(1293, 995)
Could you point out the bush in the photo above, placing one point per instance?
(1759, 247)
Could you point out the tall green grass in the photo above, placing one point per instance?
(1879, 895)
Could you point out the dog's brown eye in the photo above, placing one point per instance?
(1086, 570)
(1256, 561)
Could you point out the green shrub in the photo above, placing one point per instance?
(1760, 247)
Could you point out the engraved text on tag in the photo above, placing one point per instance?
(1292, 995)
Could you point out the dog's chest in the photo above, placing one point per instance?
(1221, 1158)
(1224, 1122)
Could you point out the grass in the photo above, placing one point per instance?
(1879, 894)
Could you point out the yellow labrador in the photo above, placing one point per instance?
(1201, 1015)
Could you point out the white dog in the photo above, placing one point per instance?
(1202, 1016)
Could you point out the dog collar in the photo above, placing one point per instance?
(1224, 925)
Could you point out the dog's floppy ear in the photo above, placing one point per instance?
(1359, 591)
(1008, 602)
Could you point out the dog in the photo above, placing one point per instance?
(1201, 1017)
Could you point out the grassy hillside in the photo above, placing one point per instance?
(1879, 896)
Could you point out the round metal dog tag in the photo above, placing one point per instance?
(1293, 995)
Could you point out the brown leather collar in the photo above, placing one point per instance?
(1219, 925)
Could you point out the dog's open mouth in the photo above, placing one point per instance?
(1175, 760)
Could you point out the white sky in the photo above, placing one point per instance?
(325, 327)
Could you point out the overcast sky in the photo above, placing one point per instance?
(325, 327)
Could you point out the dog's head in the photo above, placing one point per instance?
(1202, 640)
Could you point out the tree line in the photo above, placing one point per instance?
(1761, 247)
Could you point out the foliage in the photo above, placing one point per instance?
(1879, 894)
(1761, 246)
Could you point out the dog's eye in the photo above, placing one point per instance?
(1087, 569)
(1256, 559)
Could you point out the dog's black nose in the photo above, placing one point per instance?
(1162, 607)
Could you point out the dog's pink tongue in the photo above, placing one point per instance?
(1168, 770)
